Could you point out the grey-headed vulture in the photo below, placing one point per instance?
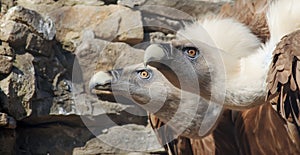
(225, 54)
(177, 116)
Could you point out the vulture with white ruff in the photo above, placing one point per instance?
(225, 54)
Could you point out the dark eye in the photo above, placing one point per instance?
(191, 52)
(144, 74)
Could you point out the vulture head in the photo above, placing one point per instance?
(217, 57)
(187, 113)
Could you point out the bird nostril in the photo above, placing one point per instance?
(115, 75)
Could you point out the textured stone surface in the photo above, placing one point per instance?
(194, 8)
(46, 6)
(32, 20)
(111, 23)
(7, 121)
(8, 141)
(19, 87)
(144, 141)
(6, 58)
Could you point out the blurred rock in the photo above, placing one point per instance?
(52, 138)
(192, 8)
(153, 22)
(159, 37)
(7, 121)
(8, 141)
(19, 87)
(5, 5)
(32, 20)
(6, 58)
(111, 23)
(131, 3)
(135, 138)
(46, 6)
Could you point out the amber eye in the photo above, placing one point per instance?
(144, 74)
(191, 52)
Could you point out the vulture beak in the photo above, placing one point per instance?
(156, 52)
(102, 81)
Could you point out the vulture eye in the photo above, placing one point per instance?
(191, 52)
(144, 74)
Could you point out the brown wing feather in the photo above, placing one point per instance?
(251, 13)
(220, 142)
(173, 145)
(260, 130)
(283, 79)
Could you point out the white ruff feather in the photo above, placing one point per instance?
(246, 60)
(283, 17)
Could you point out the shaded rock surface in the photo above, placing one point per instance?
(49, 50)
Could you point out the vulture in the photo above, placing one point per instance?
(230, 66)
(181, 114)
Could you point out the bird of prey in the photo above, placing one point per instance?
(180, 113)
(215, 47)
(259, 130)
(184, 112)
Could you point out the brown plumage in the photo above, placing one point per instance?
(284, 78)
(256, 131)
(260, 130)
(251, 13)
(221, 141)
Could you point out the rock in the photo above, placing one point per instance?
(7, 121)
(33, 20)
(8, 141)
(135, 138)
(13, 33)
(21, 26)
(5, 5)
(19, 87)
(52, 138)
(118, 55)
(6, 58)
(131, 3)
(159, 37)
(175, 8)
(111, 23)
(46, 6)
(161, 24)
(37, 45)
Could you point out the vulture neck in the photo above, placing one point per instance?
(247, 87)
(246, 63)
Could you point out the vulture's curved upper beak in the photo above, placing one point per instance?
(102, 81)
(156, 52)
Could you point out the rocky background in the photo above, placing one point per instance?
(49, 49)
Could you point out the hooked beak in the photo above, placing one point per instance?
(156, 53)
(101, 82)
